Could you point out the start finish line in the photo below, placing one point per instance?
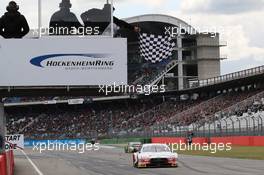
(63, 61)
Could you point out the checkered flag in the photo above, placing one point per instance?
(155, 48)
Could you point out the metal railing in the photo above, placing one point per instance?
(158, 75)
(228, 77)
(161, 74)
(245, 126)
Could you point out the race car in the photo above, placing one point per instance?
(132, 147)
(155, 155)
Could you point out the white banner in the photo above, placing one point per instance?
(15, 141)
(63, 61)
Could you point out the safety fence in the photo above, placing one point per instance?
(247, 125)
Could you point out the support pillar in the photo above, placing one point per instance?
(180, 65)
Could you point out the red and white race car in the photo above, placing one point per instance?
(155, 155)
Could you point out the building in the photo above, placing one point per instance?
(196, 55)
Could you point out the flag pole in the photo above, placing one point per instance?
(39, 18)
(112, 19)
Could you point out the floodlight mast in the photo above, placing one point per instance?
(40, 18)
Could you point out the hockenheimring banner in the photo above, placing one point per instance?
(63, 61)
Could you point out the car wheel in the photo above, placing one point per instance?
(175, 166)
(135, 165)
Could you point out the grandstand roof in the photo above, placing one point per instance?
(157, 18)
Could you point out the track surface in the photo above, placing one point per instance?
(112, 161)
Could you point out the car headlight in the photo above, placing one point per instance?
(172, 159)
(144, 159)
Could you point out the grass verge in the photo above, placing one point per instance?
(241, 152)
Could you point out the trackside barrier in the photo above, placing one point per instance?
(10, 162)
(240, 140)
(200, 140)
(3, 164)
(7, 163)
(236, 140)
(168, 140)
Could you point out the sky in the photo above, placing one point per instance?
(240, 22)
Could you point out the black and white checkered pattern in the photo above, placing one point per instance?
(155, 48)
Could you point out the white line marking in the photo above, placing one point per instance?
(34, 166)
(107, 147)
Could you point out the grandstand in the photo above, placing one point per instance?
(232, 110)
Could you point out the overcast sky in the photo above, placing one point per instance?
(240, 21)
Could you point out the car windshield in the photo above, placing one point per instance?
(155, 148)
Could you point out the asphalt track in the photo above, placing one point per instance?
(112, 161)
